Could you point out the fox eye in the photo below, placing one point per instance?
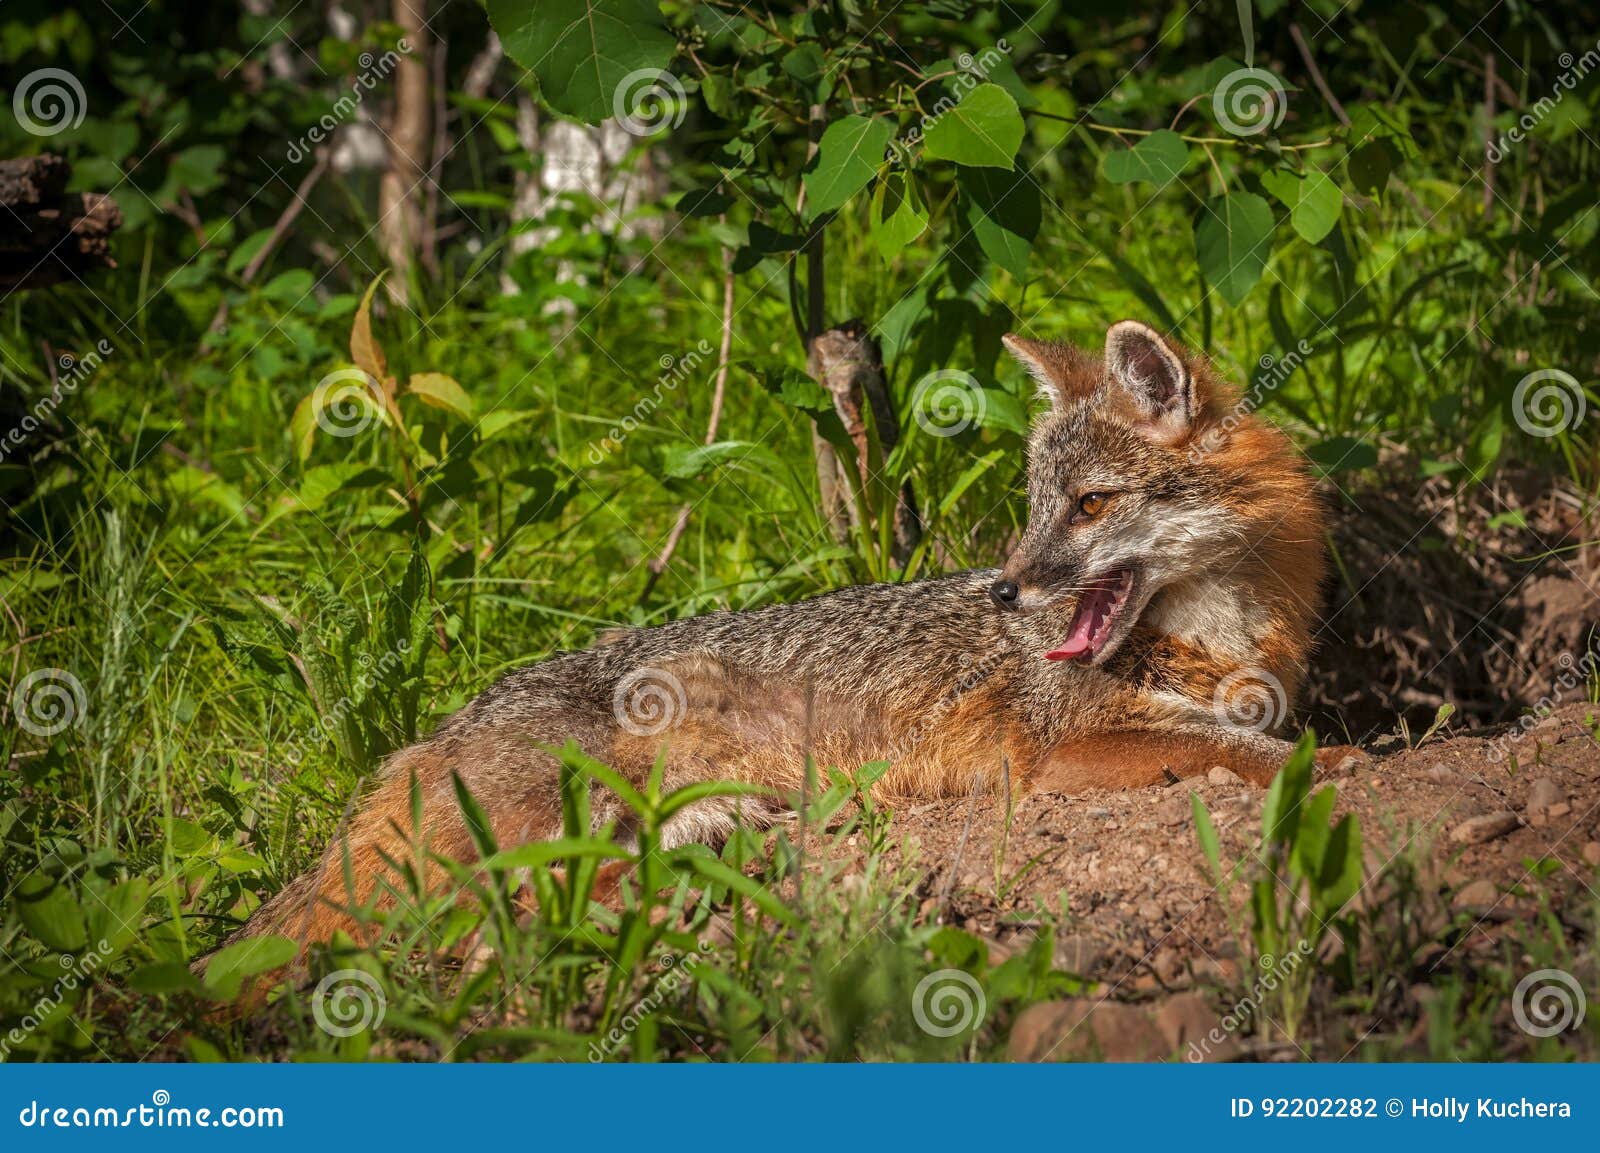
(1091, 505)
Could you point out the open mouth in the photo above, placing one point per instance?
(1099, 607)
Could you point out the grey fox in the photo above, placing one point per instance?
(1153, 621)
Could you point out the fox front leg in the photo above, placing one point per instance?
(1136, 758)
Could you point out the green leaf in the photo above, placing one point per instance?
(1484, 447)
(1369, 166)
(848, 156)
(984, 130)
(497, 421)
(806, 67)
(322, 482)
(195, 170)
(1002, 410)
(795, 389)
(50, 913)
(898, 215)
(538, 854)
(708, 201)
(685, 462)
(437, 390)
(1280, 812)
(116, 915)
(1305, 859)
(584, 52)
(758, 894)
(1158, 159)
(1340, 878)
(1313, 200)
(230, 965)
(1002, 209)
(1206, 833)
(163, 977)
(477, 821)
(1232, 243)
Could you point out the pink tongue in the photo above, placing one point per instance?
(1092, 612)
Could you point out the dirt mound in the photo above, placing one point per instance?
(1486, 830)
(1482, 597)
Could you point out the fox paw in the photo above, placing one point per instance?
(1337, 758)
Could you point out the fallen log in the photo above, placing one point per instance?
(48, 234)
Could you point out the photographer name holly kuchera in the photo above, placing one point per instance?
(1459, 1108)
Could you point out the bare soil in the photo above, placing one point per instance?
(1486, 844)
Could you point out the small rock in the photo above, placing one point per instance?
(1477, 895)
(1097, 812)
(1084, 1030)
(1549, 728)
(1077, 953)
(1559, 810)
(1477, 830)
(1591, 852)
(1221, 775)
(1151, 911)
(1221, 971)
(1190, 1025)
(1169, 967)
(1444, 774)
(1174, 811)
(1543, 794)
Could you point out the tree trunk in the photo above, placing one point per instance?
(50, 235)
(848, 362)
(399, 194)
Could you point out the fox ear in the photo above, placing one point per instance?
(1043, 362)
(1153, 376)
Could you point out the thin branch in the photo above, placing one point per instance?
(1488, 129)
(718, 394)
(286, 219)
(1316, 74)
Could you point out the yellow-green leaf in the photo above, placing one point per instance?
(365, 350)
(440, 391)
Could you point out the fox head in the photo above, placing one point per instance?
(1147, 485)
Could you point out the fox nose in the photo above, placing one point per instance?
(1004, 594)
